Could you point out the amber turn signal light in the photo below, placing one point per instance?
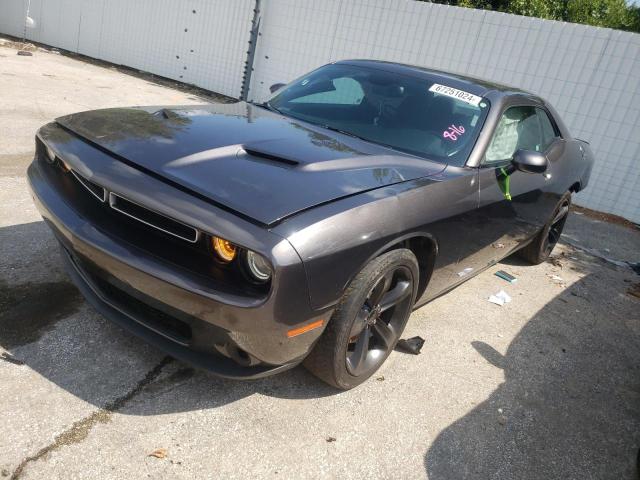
(225, 250)
(299, 331)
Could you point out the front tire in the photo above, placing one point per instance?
(367, 322)
(543, 244)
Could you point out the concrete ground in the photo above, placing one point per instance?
(547, 386)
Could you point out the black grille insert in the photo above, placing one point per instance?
(96, 190)
(153, 219)
(143, 311)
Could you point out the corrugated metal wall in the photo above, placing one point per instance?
(202, 42)
(591, 75)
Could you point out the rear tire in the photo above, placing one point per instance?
(367, 322)
(543, 244)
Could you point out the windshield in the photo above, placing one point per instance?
(407, 113)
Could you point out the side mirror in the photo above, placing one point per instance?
(529, 161)
(276, 86)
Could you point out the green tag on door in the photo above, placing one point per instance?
(504, 181)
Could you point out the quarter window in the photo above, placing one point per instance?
(521, 128)
(549, 133)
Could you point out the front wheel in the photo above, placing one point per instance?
(367, 322)
(542, 245)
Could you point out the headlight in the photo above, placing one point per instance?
(258, 266)
(51, 155)
(225, 250)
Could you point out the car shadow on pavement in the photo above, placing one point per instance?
(46, 325)
(569, 406)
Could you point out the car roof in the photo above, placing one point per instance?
(472, 85)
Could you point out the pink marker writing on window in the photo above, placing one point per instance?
(452, 132)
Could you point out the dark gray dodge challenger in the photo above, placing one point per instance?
(248, 238)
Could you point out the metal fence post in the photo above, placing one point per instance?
(251, 51)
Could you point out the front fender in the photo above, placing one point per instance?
(340, 239)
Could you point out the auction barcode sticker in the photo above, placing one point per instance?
(455, 93)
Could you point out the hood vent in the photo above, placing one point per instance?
(270, 156)
(166, 114)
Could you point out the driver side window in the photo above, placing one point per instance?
(520, 128)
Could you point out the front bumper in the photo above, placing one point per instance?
(176, 314)
(119, 313)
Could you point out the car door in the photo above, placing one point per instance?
(513, 204)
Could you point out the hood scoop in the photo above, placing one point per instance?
(166, 114)
(271, 157)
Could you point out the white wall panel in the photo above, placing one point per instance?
(591, 75)
(90, 26)
(203, 42)
(12, 14)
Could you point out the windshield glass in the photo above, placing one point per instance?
(407, 113)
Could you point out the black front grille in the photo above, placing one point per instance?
(171, 243)
(151, 317)
(96, 190)
(140, 309)
(153, 219)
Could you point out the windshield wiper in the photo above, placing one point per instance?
(344, 132)
(268, 106)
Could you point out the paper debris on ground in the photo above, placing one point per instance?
(466, 271)
(158, 453)
(500, 298)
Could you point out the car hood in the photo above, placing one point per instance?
(263, 165)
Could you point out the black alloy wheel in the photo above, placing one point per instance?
(543, 244)
(556, 227)
(367, 322)
(379, 322)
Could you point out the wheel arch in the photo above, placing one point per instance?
(422, 244)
